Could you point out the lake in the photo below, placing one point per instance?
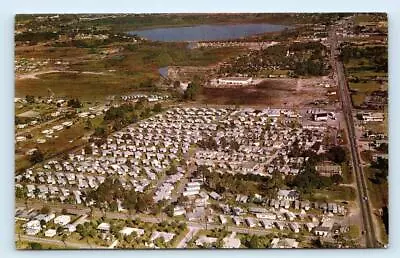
(207, 32)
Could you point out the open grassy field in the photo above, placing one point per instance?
(79, 85)
(365, 87)
(133, 65)
(337, 193)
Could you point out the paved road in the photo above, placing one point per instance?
(367, 223)
(57, 242)
(190, 234)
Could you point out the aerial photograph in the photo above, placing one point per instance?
(201, 131)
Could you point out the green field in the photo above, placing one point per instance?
(82, 86)
(339, 193)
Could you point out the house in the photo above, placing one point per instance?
(164, 235)
(45, 217)
(33, 227)
(126, 231)
(321, 231)
(50, 232)
(280, 225)
(179, 210)
(231, 241)
(284, 243)
(222, 219)
(105, 227)
(206, 241)
(250, 222)
(295, 227)
(237, 220)
(267, 224)
(290, 195)
(215, 196)
(62, 220)
(309, 226)
(324, 229)
(70, 227)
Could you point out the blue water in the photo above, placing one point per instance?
(163, 71)
(207, 32)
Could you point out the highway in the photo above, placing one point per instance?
(367, 221)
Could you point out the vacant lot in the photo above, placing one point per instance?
(271, 92)
(80, 85)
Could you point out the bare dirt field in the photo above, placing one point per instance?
(272, 92)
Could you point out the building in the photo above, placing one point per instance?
(295, 227)
(104, 227)
(372, 117)
(284, 243)
(128, 231)
(290, 195)
(50, 232)
(250, 222)
(205, 241)
(164, 235)
(328, 169)
(32, 227)
(62, 220)
(231, 241)
(320, 116)
(237, 81)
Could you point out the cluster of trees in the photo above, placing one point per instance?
(35, 37)
(309, 179)
(240, 184)
(111, 190)
(256, 242)
(172, 170)
(36, 157)
(74, 103)
(192, 91)
(377, 55)
(307, 59)
(381, 167)
(310, 67)
(30, 99)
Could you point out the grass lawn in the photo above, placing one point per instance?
(358, 98)
(82, 86)
(338, 193)
(366, 74)
(367, 87)
(378, 193)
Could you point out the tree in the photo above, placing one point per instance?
(337, 179)
(172, 170)
(191, 91)
(88, 150)
(30, 99)
(88, 124)
(64, 238)
(74, 103)
(337, 154)
(157, 108)
(100, 132)
(36, 157)
(20, 192)
(45, 210)
(177, 84)
(35, 246)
